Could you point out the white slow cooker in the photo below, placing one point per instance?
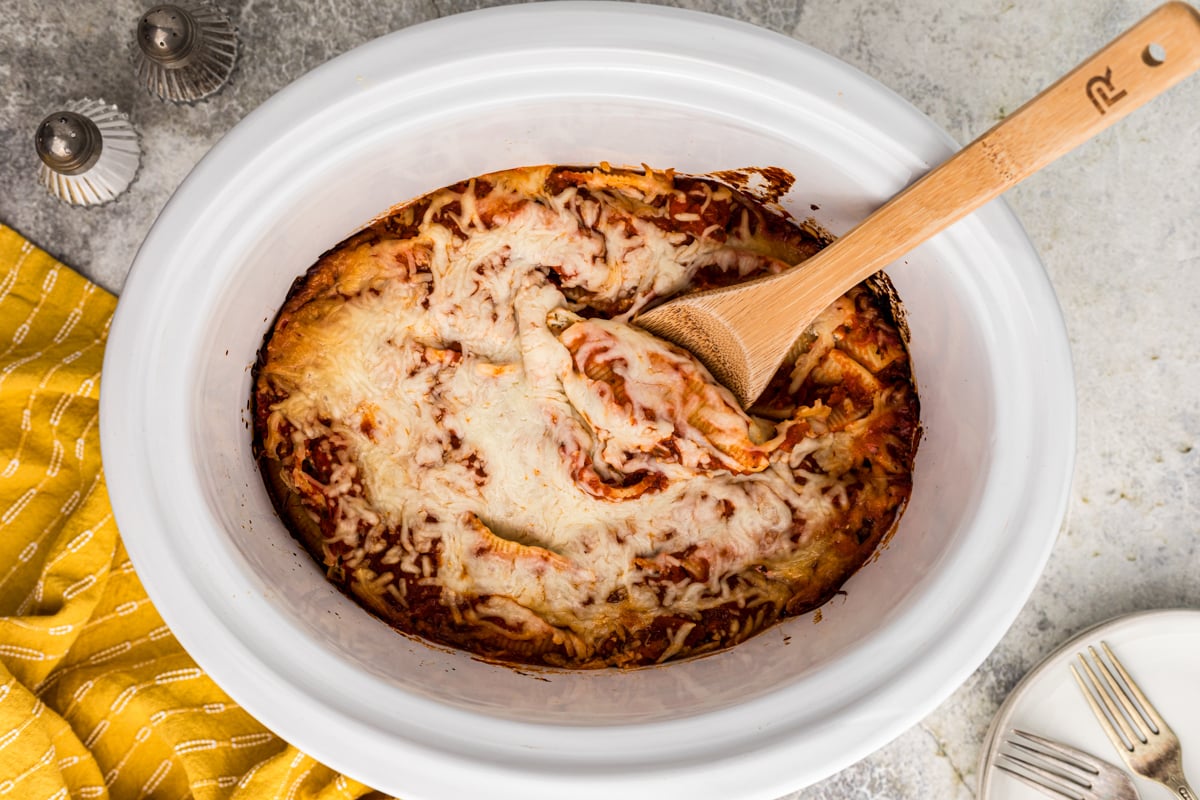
(577, 83)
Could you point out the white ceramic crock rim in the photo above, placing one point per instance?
(768, 765)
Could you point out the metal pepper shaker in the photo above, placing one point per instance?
(90, 152)
(185, 52)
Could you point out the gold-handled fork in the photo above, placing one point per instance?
(1148, 745)
(1060, 770)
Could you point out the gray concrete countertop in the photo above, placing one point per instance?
(1117, 224)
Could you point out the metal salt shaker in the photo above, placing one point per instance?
(185, 52)
(90, 152)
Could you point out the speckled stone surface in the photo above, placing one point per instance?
(1117, 224)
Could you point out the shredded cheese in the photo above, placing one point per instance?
(565, 480)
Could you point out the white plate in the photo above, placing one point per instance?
(1161, 650)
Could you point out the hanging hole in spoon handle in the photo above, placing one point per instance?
(1154, 54)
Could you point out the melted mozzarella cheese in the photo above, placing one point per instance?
(460, 402)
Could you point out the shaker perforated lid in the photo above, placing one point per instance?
(185, 52)
(89, 151)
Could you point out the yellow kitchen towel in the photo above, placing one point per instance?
(97, 698)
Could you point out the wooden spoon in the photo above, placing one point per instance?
(742, 332)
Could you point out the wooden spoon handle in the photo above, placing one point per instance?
(1146, 60)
